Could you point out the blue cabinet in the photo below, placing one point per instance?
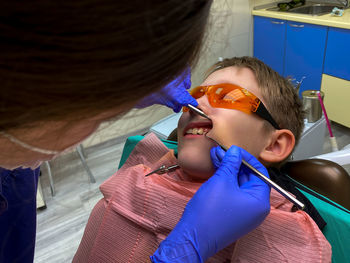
(337, 60)
(269, 41)
(292, 49)
(305, 50)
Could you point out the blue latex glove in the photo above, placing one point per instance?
(174, 95)
(229, 205)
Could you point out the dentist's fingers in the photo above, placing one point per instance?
(246, 175)
(174, 95)
(187, 80)
(217, 154)
(253, 181)
(229, 167)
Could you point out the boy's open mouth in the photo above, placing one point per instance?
(198, 128)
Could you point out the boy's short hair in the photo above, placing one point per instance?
(280, 97)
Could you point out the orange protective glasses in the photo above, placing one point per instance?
(230, 96)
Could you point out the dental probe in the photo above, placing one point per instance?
(163, 169)
(198, 111)
(267, 180)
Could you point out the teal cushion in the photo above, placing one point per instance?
(337, 230)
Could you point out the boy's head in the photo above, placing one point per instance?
(234, 127)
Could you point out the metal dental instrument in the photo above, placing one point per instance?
(267, 180)
(163, 169)
(198, 111)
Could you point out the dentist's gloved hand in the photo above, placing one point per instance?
(229, 205)
(174, 95)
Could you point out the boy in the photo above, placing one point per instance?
(138, 212)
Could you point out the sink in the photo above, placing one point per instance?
(312, 9)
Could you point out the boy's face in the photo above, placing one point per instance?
(229, 127)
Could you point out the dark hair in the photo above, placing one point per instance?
(67, 59)
(280, 97)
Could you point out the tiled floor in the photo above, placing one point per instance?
(61, 224)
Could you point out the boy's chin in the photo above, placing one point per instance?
(198, 173)
(196, 162)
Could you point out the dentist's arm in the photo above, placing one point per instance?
(174, 95)
(229, 205)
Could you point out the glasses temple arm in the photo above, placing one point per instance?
(263, 113)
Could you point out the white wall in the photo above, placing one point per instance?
(230, 33)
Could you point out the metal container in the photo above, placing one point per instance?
(311, 105)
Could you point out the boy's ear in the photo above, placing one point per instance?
(279, 148)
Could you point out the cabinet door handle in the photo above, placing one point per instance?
(295, 25)
(277, 22)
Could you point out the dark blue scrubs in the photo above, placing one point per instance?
(17, 214)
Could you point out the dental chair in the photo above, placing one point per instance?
(323, 176)
(325, 183)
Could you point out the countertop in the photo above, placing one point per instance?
(323, 20)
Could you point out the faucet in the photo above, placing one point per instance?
(296, 83)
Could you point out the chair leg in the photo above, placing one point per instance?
(87, 169)
(82, 150)
(40, 201)
(52, 187)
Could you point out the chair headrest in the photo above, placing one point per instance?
(323, 176)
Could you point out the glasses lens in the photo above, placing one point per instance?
(230, 96)
(198, 92)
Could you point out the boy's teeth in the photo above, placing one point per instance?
(197, 131)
